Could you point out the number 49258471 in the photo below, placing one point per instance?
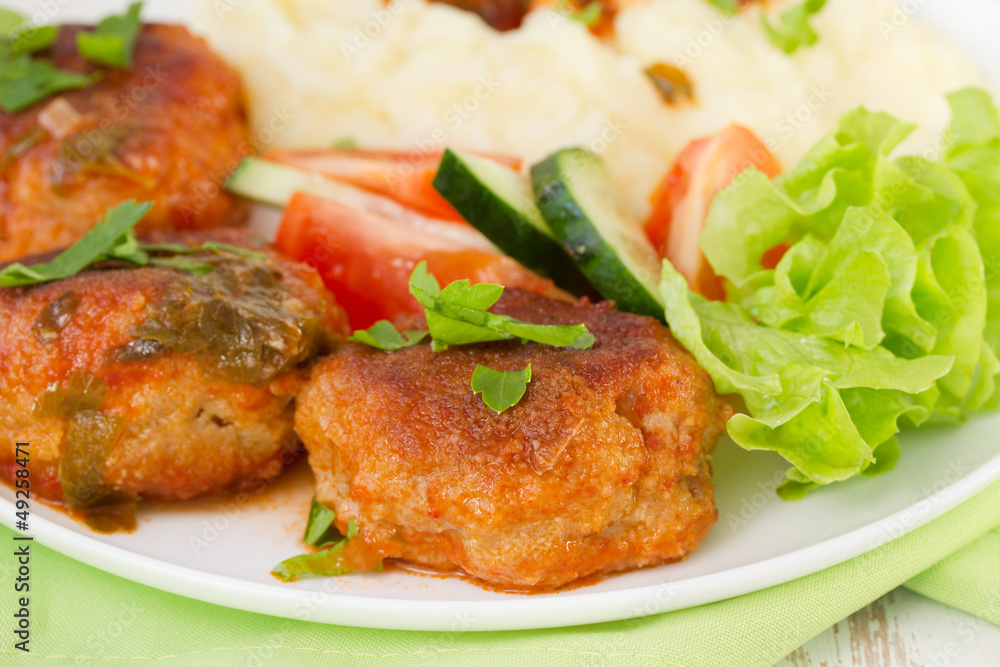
(23, 484)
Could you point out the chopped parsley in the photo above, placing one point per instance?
(18, 36)
(500, 389)
(113, 41)
(344, 144)
(109, 239)
(792, 30)
(25, 81)
(330, 560)
(319, 528)
(589, 15)
(384, 336)
(458, 315)
(113, 239)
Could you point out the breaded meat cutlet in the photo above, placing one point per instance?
(156, 383)
(167, 130)
(602, 466)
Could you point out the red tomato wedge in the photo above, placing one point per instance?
(682, 201)
(406, 177)
(366, 258)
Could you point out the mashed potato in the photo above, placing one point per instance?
(412, 75)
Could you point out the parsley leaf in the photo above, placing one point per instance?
(179, 262)
(113, 42)
(10, 21)
(329, 561)
(384, 336)
(178, 258)
(113, 239)
(589, 15)
(100, 243)
(793, 30)
(478, 297)
(423, 284)
(30, 40)
(319, 527)
(500, 389)
(25, 81)
(457, 316)
(18, 36)
(344, 144)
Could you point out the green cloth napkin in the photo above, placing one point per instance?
(969, 579)
(80, 615)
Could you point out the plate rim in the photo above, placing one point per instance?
(516, 612)
(503, 613)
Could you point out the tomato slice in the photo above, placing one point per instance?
(684, 197)
(406, 177)
(366, 258)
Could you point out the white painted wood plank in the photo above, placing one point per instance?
(903, 629)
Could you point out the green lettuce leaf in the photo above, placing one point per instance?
(823, 406)
(974, 155)
(884, 312)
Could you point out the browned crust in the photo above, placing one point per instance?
(181, 111)
(603, 465)
(184, 435)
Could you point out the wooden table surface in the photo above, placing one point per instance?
(903, 629)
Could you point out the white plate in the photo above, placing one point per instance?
(222, 551)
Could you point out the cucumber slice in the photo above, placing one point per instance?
(272, 183)
(577, 199)
(498, 202)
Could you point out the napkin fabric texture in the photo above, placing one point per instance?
(969, 579)
(80, 615)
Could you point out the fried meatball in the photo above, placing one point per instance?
(157, 383)
(169, 129)
(602, 466)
